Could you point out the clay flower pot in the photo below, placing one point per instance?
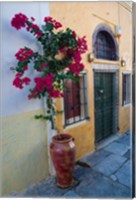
(63, 152)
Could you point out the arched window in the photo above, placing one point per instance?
(104, 45)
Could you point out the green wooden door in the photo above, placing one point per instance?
(103, 86)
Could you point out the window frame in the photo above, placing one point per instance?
(126, 102)
(78, 119)
(103, 27)
(105, 47)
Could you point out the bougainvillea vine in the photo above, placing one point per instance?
(60, 59)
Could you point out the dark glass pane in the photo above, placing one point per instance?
(72, 99)
(105, 47)
(75, 101)
(126, 89)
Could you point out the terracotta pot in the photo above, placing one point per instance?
(63, 152)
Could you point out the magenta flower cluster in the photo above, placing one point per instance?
(61, 58)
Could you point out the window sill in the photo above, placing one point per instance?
(75, 125)
(102, 61)
(126, 105)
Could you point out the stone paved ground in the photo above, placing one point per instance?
(109, 175)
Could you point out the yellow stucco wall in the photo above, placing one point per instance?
(24, 151)
(84, 17)
(126, 53)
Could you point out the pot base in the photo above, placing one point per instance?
(74, 183)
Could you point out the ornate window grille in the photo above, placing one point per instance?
(104, 46)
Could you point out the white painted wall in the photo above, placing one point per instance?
(14, 100)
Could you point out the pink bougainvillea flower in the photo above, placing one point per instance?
(42, 66)
(76, 68)
(55, 93)
(24, 54)
(19, 21)
(77, 56)
(82, 44)
(39, 87)
(62, 50)
(74, 34)
(70, 52)
(44, 82)
(25, 68)
(26, 80)
(33, 94)
(39, 84)
(48, 81)
(57, 25)
(39, 34)
(18, 82)
(19, 74)
(37, 80)
(34, 27)
(48, 19)
(32, 18)
(28, 28)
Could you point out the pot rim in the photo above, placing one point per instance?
(65, 140)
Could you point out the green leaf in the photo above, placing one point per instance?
(48, 117)
(48, 27)
(38, 116)
(58, 112)
(37, 64)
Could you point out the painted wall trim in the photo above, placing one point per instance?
(106, 67)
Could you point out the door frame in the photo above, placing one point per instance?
(110, 68)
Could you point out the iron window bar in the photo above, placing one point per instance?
(82, 105)
(125, 89)
(104, 47)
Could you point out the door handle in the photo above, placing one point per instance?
(101, 91)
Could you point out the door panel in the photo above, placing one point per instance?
(103, 86)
